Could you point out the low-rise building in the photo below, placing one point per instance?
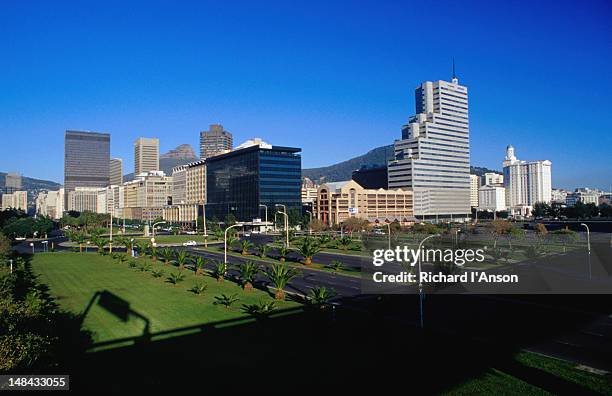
(50, 204)
(145, 197)
(188, 193)
(339, 201)
(492, 198)
(558, 195)
(84, 199)
(15, 200)
(584, 195)
(492, 178)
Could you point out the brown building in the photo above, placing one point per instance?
(336, 202)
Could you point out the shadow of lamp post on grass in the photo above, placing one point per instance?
(119, 308)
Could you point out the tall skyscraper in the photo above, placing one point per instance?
(86, 160)
(146, 155)
(215, 141)
(433, 156)
(526, 182)
(116, 172)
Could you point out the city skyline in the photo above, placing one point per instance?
(345, 98)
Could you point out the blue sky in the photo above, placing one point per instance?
(334, 78)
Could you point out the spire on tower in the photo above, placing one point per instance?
(455, 80)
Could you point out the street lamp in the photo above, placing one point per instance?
(284, 212)
(32, 244)
(310, 224)
(588, 237)
(457, 231)
(225, 244)
(588, 246)
(86, 246)
(266, 207)
(420, 282)
(155, 225)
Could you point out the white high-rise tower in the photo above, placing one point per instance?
(433, 156)
(526, 182)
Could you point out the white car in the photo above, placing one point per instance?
(190, 243)
(190, 232)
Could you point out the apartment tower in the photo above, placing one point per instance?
(116, 172)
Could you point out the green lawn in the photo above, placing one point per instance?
(74, 278)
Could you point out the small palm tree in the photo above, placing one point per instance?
(157, 273)
(280, 275)
(167, 255)
(199, 265)
(336, 265)
(260, 309)
(263, 250)
(324, 239)
(141, 248)
(79, 238)
(218, 234)
(248, 272)
(344, 243)
(123, 258)
(153, 252)
(283, 251)
(176, 277)
(308, 249)
(145, 266)
(219, 271)
(320, 296)
(231, 240)
(226, 300)
(181, 258)
(199, 288)
(245, 245)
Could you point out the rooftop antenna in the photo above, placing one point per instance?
(455, 79)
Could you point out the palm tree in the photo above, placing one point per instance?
(176, 277)
(219, 271)
(248, 272)
(79, 238)
(231, 239)
(280, 275)
(320, 296)
(245, 245)
(199, 265)
(99, 242)
(336, 265)
(308, 249)
(218, 233)
(263, 250)
(283, 251)
(344, 243)
(226, 300)
(181, 258)
(324, 239)
(153, 252)
(167, 255)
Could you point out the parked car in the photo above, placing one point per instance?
(190, 243)
(190, 232)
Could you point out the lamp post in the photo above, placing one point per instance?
(266, 208)
(32, 244)
(155, 225)
(420, 282)
(389, 233)
(225, 244)
(11, 264)
(86, 246)
(457, 231)
(204, 221)
(286, 222)
(110, 240)
(310, 224)
(588, 246)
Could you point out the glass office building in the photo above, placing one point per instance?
(86, 160)
(240, 181)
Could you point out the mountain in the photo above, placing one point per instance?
(376, 157)
(344, 170)
(183, 151)
(181, 155)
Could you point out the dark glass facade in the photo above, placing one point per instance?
(86, 160)
(239, 181)
(373, 178)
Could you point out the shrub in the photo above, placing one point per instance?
(226, 300)
(199, 288)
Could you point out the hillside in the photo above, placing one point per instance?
(376, 157)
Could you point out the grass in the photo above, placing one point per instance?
(494, 380)
(74, 278)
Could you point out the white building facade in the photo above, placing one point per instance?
(526, 182)
(492, 198)
(50, 204)
(474, 185)
(433, 157)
